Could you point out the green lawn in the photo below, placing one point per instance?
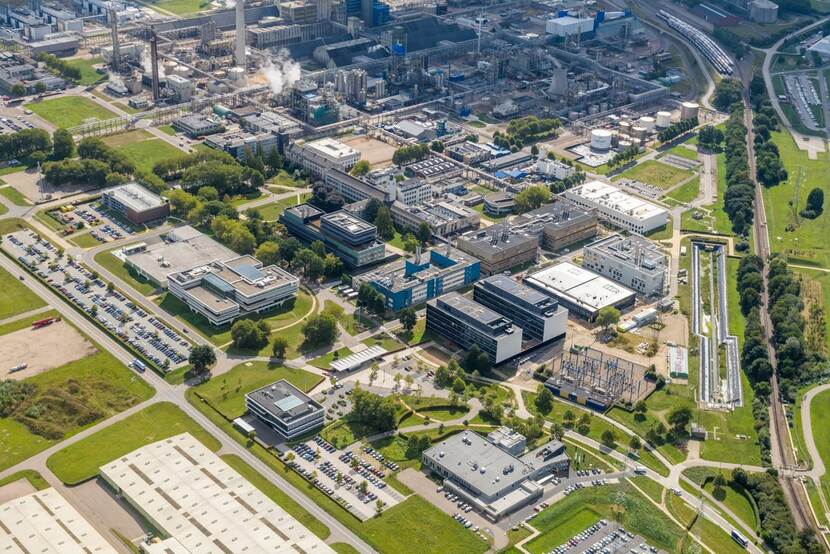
(15, 196)
(663, 233)
(284, 179)
(88, 74)
(120, 270)
(575, 523)
(808, 244)
(33, 477)
(686, 192)
(69, 111)
(279, 317)
(3, 209)
(389, 344)
(16, 297)
(12, 225)
(344, 432)
(181, 7)
(85, 240)
(324, 362)
(24, 322)
(277, 495)
(715, 218)
(168, 129)
(820, 415)
(80, 461)
(273, 210)
(736, 500)
(656, 173)
(403, 526)
(226, 392)
(652, 488)
(489, 217)
(143, 149)
(682, 151)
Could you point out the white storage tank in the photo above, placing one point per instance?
(647, 122)
(689, 110)
(663, 120)
(625, 145)
(639, 132)
(625, 127)
(601, 139)
(182, 70)
(236, 74)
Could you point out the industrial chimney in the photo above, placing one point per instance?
(116, 50)
(154, 61)
(241, 60)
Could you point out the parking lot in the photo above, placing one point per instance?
(342, 473)
(104, 227)
(12, 125)
(606, 537)
(111, 309)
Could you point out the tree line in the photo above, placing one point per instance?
(60, 66)
(677, 129)
(739, 198)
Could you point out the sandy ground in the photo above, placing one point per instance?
(25, 182)
(15, 489)
(376, 152)
(42, 349)
(580, 335)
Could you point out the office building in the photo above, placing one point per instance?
(559, 225)
(500, 203)
(347, 236)
(44, 521)
(443, 218)
(223, 291)
(320, 156)
(413, 281)
(540, 317)
(413, 191)
(582, 292)
(499, 247)
(491, 479)
(509, 440)
(197, 125)
(239, 143)
(352, 189)
(466, 323)
(201, 504)
(634, 261)
(286, 409)
(554, 169)
(136, 203)
(618, 208)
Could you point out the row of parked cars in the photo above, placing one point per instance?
(365, 470)
(381, 458)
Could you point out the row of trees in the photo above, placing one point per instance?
(740, 192)
(408, 154)
(532, 197)
(60, 66)
(24, 143)
(677, 129)
(709, 138)
(770, 168)
(373, 410)
(624, 156)
(728, 95)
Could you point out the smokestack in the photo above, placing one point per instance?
(241, 60)
(366, 8)
(154, 62)
(116, 50)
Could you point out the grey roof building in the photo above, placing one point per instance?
(634, 261)
(286, 409)
(558, 225)
(500, 247)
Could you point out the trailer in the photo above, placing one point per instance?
(44, 322)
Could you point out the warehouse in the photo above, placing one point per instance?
(286, 409)
(491, 479)
(136, 203)
(499, 248)
(618, 208)
(44, 521)
(202, 504)
(582, 292)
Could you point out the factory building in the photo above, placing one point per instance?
(223, 291)
(348, 237)
(539, 316)
(136, 203)
(320, 156)
(413, 191)
(468, 152)
(634, 261)
(351, 189)
(558, 225)
(286, 409)
(197, 125)
(554, 169)
(490, 478)
(583, 292)
(443, 218)
(618, 208)
(239, 143)
(413, 281)
(499, 247)
(26, 75)
(465, 322)
(432, 169)
(500, 203)
(201, 504)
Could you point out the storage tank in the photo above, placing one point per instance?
(182, 70)
(625, 145)
(663, 120)
(625, 127)
(689, 110)
(169, 67)
(639, 132)
(601, 139)
(647, 122)
(236, 74)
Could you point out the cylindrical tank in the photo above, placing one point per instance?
(625, 144)
(647, 122)
(600, 139)
(663, 119)
(689, 110)
(625, 127)
(236, 73)
(639, 132)
(169, 66)
(182, 70)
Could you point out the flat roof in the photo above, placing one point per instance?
(474, 314)
(358, 358)
(284, 401)
(198, 499)
(348, 222)
(44, 521)
(190, 248)
(579, 286)
(244, 275)
(332, 148)
(136, 197)
(634, 250)
(496, 238)
(531, 298)
(608, 196)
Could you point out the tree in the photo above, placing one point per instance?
(609, 439)
(458, 386)
(408, 318)
(385, 225)
(544, 399)
(361, 168)
(249, 334)
(279, 346)
(63, 145)
(320, 330)
(608, 317)
(640, 410)
(475, 360)
(532, 197)
(268, 253)
(424, 232)
(373, 410)
(679, 418)
(534, 150)
(557, 430)
(815, 203)
(569, 418)
(18, 90)
(635, 443)
(202, 357)
(437, 146)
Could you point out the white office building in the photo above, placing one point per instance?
(618, 208)
(319, 156)
(634, 261)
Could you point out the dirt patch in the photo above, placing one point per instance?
(376, 152)
(626, 344)
(15, 489)
(43, 349)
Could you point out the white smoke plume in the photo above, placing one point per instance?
(147, 64)
(231, 4)
(281, 72)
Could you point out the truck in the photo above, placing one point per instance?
(139, 366)
(44, 322)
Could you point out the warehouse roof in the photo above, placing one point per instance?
(579, 286)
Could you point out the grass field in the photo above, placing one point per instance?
(575, 524)
(69, 111)
(272, 211)
(279, 317)
(168, 129)
(80, 461)
(808, 244)
(16, 297)
(652, 488)
(715, 218)
(820, 416)
(143, 149)
(33, 477)
(3, 209)
(686, 192)
(277, 495)
(226, 392)
(12, 225)
(656, 173)
(15, 196)
(736, 500)
(181, 7)
(85, 240)
(324, 362)
(101, 384)
(119, 269)
(88, 74)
